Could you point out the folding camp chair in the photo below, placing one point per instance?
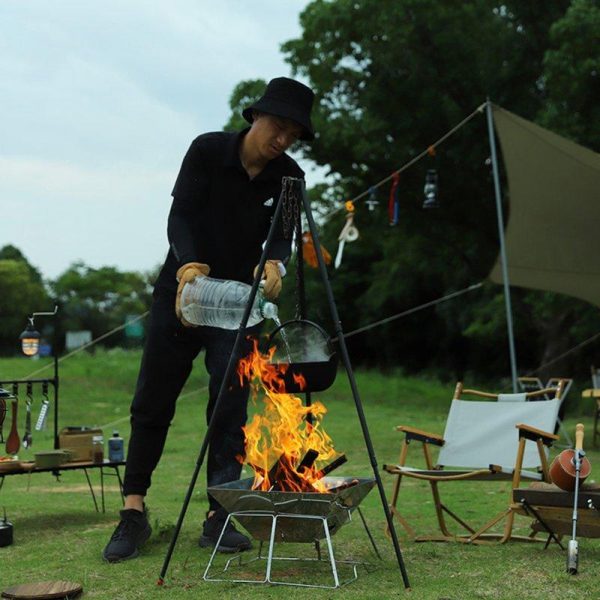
(595, 394)
(483, 441)
(534, 384)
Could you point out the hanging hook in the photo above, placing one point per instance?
(349, 233)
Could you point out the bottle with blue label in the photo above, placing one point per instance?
(115, 448)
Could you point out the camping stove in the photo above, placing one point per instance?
(299, 517)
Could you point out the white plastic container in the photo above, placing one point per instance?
(220, 303)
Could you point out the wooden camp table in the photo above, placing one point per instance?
(29, 468)
(552, 509)
(594, 393)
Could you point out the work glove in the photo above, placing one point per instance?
(185, 274)
(272, 278)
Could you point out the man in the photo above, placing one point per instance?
(223, 202)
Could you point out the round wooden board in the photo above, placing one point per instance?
(44, 590)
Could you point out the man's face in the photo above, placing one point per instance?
(274, 135)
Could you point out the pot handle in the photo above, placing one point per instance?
(311, 323)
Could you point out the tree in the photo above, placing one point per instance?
(391, 78)
(99, 299)
(10, 252)
(21, 294)
(244, 94)
(571, 75)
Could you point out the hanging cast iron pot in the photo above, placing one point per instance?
(307, 351)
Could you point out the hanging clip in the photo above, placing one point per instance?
(349, 233)
(372, 201)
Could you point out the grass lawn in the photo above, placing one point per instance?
(59, 536)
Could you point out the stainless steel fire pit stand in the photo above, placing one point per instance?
(270, 558)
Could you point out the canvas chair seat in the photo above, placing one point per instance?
(482, 441)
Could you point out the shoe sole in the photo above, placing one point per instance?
(206, 542)
(136, 552)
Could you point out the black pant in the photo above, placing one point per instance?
(169, 352)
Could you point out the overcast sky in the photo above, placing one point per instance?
(100, 101)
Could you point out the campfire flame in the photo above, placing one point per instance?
(285, 451)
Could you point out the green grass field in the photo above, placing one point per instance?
(59, 536)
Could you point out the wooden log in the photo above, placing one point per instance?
(308, 461)
(338, 462)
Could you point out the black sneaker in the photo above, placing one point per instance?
(232, 540)
(131, 532)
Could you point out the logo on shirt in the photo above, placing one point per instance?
(268, 202)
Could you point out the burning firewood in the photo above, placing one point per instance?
(283, 477)
(281, 431)
(338, 462)
(308, 461)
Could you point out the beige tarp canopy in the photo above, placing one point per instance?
(553, 233)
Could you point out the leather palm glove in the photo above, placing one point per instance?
(272, 278)
(185, 274)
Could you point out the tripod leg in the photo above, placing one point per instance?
(355, 394)
(229, 372)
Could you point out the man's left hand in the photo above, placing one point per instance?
(272, 278)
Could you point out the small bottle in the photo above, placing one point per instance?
(98, 449)
(115, 448)
(221, 303)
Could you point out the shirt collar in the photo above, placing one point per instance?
(273, 170)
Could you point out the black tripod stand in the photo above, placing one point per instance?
(292, 189)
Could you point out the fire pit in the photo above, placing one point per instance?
(333, 507)
(298, 517)
(292, 497)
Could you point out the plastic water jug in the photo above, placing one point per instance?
(221, 303)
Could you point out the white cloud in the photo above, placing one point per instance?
(100, 102)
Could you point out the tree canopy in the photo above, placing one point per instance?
(392, 77)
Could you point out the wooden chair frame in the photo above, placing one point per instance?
(434, 474)
(529, 384)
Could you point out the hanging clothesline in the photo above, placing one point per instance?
(415, 309)
(88, 344)
(413, 160)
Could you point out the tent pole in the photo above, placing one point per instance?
(509, 322)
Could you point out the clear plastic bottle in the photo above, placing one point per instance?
(221, 303)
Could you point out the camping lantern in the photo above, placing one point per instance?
(431, 190)
(30, 339)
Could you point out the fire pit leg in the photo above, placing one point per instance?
(271, 548)
(214, 552)
(336, 579)
(270, 557)
(238, 557)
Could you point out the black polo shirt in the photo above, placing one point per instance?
(219, 215)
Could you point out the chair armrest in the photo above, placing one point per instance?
(413, 433)
(533, 434)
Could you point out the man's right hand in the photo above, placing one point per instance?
(185, 274)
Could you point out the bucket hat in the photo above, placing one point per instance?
(286, 98)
